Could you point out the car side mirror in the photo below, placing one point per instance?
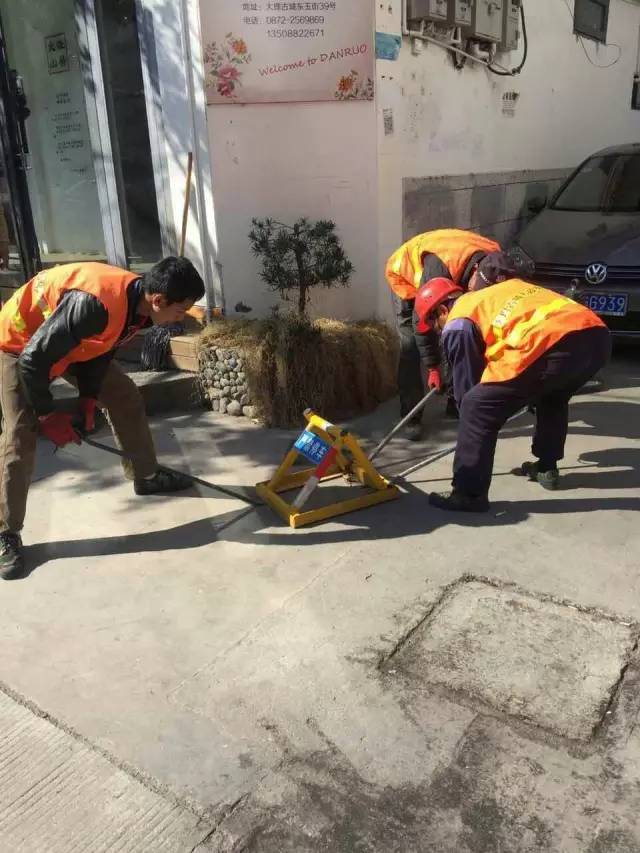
(537, 203)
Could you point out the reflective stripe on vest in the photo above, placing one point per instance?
(519, 322)
(515, 336)
(18, 322)
(453, 246)
(33, 304)
(39, 288)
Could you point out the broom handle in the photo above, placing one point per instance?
(187, 199)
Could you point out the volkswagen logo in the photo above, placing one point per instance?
(596, 273)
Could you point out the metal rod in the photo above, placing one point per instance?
(230, 492)
(416, 409)
(442, 453)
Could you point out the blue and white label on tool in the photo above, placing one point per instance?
(312, 447)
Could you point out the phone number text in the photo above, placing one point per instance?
(295, 34)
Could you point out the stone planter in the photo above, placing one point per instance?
(224, 383)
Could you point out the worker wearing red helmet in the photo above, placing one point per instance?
(509, 346)
(469, 260)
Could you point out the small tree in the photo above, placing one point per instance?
(299, 257)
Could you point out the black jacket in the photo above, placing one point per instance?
(79, 316)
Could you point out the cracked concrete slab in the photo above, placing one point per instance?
(552, 665)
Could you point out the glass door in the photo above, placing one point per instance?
(44, 56)
(85, 159)
(126, 105)
(19, 257)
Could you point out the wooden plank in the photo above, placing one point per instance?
(188, 364)
(183, 352)
(184, 345)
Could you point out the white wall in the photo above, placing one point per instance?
(279, 160)
(182, 128)
(334, 161)
(291, 160)
(450, 122)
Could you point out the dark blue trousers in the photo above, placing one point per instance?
(548, 383)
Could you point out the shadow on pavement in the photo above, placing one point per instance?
(412, 517)
(627, 458)
(421, 519)
(193, 534)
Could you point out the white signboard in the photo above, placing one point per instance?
(268, 51)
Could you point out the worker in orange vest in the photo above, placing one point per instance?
(470, 261)
(509, 346)
(67, 321)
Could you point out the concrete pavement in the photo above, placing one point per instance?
(319, 689)
(59, 794)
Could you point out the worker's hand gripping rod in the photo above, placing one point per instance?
(416, 409)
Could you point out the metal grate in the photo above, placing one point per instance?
(630, 275)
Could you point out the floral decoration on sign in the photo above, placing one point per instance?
(351, 88)
(224, 61)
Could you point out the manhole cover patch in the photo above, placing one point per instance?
(545, 663)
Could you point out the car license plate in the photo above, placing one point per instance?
(608, 304)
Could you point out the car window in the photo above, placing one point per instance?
(623, 193)
(607, 184)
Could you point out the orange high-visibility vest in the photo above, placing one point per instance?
(452, 246)
(33, 303)
(519, 322)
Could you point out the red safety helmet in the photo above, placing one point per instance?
(433, 293)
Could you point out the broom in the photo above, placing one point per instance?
(155, 346)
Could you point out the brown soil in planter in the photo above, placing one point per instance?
(338, 369)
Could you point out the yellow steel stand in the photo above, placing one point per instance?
(345, 457)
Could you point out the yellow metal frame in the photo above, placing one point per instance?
(351, 461)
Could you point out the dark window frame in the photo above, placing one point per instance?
(599, 35)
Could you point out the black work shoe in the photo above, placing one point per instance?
(11, 557)
(163, 482)
(459, 502)
(548, 479)
(413, 431)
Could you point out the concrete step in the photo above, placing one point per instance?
(165, 391)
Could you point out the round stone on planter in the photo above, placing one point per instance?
(249, 411)
(234, 408)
